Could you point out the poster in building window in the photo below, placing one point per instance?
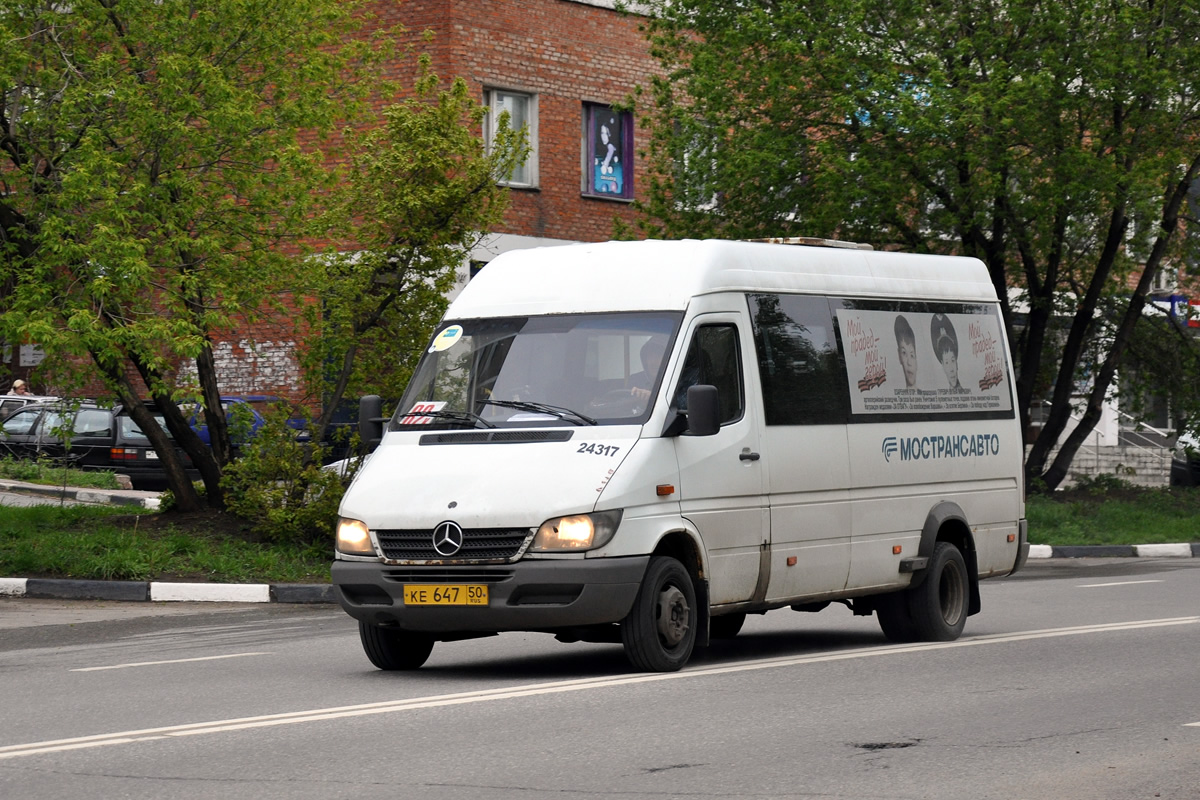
(917, 362)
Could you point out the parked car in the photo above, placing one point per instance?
(245, 415)
(11, 402)
(85, 435)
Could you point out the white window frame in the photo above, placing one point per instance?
(490, 99)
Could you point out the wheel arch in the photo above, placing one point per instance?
(947, 522)
(685, 547)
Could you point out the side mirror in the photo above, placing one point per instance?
(370, 421)
(703, 413)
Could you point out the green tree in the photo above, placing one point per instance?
(1054, 141)
(154, 187)
(419, 193)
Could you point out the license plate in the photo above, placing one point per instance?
(151, 455)
(445, 594)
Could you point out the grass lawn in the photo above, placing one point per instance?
(38, 471)
(100, 543)
(1114, 516)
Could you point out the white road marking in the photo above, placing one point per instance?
(1115, 583)
(556, 687)
(171, 661)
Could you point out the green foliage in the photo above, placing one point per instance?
(419, 192)
(41, 472)
(279, 486)
(158, 164)
(1056, 147)
(1103, 484)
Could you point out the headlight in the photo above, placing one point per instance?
(354, 538)
(577, 532)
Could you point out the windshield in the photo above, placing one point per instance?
(578, 369)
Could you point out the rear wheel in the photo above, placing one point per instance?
(394, 649)
(726, 626)
(939, 606)
(660, 630)
(894, 617)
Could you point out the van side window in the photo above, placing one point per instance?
(802, 376)
(714, 358)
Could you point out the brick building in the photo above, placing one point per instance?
(557, 66)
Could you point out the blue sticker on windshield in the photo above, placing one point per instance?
(446, 339)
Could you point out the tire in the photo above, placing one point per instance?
(894, 618)
(939, 606)
(394, 649)
(725, 627)
(660, 630)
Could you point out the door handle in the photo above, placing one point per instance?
(746, 455)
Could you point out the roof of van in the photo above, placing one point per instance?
(666, 275)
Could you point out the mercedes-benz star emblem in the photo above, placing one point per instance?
(447, 539)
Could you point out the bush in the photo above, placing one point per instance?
(278, 486)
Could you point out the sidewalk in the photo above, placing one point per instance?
(117, 497)
(160, 591)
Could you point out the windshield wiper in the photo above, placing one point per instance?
(543, 408)
(457, 416)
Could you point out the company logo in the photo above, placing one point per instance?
(924, 448)
(447, 539)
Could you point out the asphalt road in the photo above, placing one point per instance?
(1078, 680)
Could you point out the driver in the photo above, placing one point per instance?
(651, 356)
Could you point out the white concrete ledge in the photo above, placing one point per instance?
(1040, 551)
(12, 587)
(210, 592)
(1163, 550)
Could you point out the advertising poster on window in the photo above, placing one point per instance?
(921, 363)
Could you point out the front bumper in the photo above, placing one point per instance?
(525, 596)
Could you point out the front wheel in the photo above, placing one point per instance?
(660, 631)
(394, 649)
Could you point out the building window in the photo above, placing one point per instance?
(608, 151)
(522, 113)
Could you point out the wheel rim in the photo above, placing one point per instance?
(952, 591)
(674, 616)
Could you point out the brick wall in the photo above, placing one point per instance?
(566, 53)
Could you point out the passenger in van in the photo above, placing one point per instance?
(945, 346)
(651, 356)
(906, 349)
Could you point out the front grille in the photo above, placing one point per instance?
(447, 575)
(479, 544)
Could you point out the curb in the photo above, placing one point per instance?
(98, 496)
(169, 592)
(163, 591)
(1183, 550)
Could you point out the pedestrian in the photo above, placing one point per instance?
(19, 387)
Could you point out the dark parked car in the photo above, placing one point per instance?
(84, 435)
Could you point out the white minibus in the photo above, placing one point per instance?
(643, 442)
